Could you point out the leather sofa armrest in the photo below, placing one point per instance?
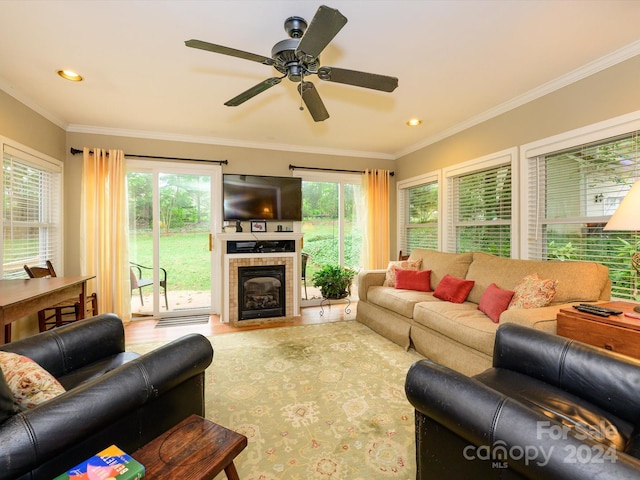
(500, 429)
(369, 278)
(606, 379)
(64, 349)
(32, 437)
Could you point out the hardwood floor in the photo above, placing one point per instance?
(145, 331)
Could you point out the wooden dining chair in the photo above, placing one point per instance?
(67, 311)
(402, 256)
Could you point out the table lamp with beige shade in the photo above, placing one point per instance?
(627, 217)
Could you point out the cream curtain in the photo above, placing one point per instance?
(376, 239)
(103, 229)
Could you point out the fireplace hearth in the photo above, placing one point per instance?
(261, 292)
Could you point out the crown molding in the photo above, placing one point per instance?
(574, 76)
(74, 128)
(23, 98)
(580, 73)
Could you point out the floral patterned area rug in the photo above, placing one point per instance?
(318, 402)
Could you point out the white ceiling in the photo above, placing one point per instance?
(457, 62)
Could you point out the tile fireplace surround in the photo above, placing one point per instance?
(232, 261)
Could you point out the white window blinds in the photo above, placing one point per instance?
(479, 211)
(418, 216)
(573, 193)
(31, 211)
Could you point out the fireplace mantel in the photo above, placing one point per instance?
(229, 261)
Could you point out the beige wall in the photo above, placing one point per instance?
(602, 96)
(241, 160)
(21, 124)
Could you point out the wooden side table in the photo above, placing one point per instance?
(617, 333)
(196, 448)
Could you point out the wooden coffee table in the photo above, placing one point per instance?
(195, 448)
(617, 333)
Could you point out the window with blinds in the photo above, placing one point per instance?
(418, 216)
(572, 195)
(31, 211)
(479, 207)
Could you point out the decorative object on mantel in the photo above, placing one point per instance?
(626, 218)
(334, 282)
(258, 226)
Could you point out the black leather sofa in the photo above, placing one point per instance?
(112, 397)
(549, 408)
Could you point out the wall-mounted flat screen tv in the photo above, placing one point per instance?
(255, 197)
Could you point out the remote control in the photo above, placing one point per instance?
(592, 311)
(612, 311)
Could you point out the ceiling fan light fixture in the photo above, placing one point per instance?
(414, 122)
(70, 75)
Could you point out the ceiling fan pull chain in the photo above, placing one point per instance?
(301, 89)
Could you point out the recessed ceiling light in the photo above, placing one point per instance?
(414, 122)
(70, 75)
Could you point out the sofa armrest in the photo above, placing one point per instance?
(35, 436)
(504, 429)
(369, 278)
(64, 349)
(541, 318)
(606, 379)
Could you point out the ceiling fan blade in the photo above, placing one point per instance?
(228, 51)
(253, 91)
(358, 79)
(325, 25)
(313, 101)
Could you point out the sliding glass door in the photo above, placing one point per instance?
(170, 220)
(332, 213)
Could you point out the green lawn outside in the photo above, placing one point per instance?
(185, 256)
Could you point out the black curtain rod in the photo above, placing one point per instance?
(75, 151)
(293, 167)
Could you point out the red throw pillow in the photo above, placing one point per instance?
(419, 280)
(452, 289)
(494, 301)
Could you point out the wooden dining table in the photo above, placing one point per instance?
(22, 297)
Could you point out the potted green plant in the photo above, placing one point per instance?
(334, 281)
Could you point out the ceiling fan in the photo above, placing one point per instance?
(299, 56)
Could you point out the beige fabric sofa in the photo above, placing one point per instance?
(459, 335)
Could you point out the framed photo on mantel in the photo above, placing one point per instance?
(258, 226)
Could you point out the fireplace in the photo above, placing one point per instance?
(239, 250)
(261, 292)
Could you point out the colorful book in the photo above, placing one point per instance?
(110, 464)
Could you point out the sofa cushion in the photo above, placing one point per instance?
(29, 383)
(390, 276)
(461, 322)
(441, 264)
(398, 301)
(453, 289)
(593, 284)
(494, 301)
(419, 280)
(534, 292)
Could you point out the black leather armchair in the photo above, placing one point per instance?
(548, 408)
(112, 397)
